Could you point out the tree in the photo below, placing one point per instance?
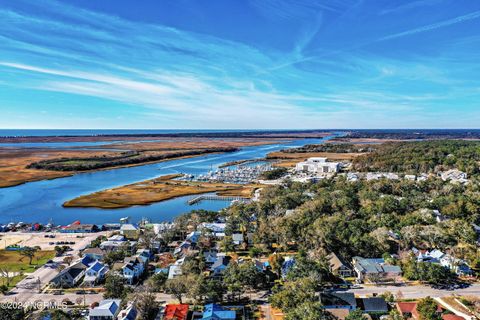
(178, 287)
(309, 310)
(5, 273)
(115, 287)
(276, 261)
(427, 309)
(227, 244)
(355, 315)
(205, 289)
(157, 281)
(145, 303)
(292, 294)
(29, 252)
(68, 260)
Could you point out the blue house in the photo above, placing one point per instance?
(215, 312)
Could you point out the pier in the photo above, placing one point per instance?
(217, 198)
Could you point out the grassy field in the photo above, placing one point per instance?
(156, 190)
(17, 265)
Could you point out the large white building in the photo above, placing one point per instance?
(317, 165)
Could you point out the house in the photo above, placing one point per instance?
(215, 312)
(237, 238)
(454, 175)
(193, 236)
(458, 266)
(317, 165)
(175, 312)
(94, 253)
(70, 276)
(375, 270)
(129, 313)
(220, 264)
(95, 273)
(210, 257)
(408, 309)
(80, 228)
(176, 269)
(338, 266)
(116, 245)
(288, 264)
(132, 270)
(217, 229)
(373, 305)
(338, 300)
(107, 310)
(145, 255)
(130, 231)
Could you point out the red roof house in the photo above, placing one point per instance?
(176, 312)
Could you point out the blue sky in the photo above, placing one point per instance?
(240, 64)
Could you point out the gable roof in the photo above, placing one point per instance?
(106, 308)
(215, 312)
(176, 312)
(338, 299)
(336, 262)
(375, 304)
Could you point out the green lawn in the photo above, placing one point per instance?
(13, 261)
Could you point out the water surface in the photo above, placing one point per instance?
(42, 200)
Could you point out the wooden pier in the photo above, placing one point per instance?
(216, 198)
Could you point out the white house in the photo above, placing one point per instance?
(95, 273)
(132, 270)
(317, 165)
(107, 310)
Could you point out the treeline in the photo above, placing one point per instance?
(126, 158)
(422, 157)
(415, 134)
(333, 148)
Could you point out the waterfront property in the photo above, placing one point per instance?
(317, 165)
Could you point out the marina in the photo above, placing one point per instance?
(42, 200)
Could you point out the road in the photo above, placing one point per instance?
(418, 291)
(27, 290)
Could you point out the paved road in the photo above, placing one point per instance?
(27, 291)
(416, 292)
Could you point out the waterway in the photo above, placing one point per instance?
(41, 201)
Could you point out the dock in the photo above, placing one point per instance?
(217, 198)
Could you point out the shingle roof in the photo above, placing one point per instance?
(375, 304)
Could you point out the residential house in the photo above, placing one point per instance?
(107, 310)
(117, 243)
(238, 238)
(339, 266)
(338, 300)
(130, 231)
(375, 270)
(95, 273)
(94, 253)
(145, 255)
(176, 269)
(129, 313)
(217, 229)
(70, 276)
(458, 266)
(220, 264)
(175, 312)
(373, 305)
(288, 264)
(216, 312)
(80, 228)
(409, 310)
(132, 269)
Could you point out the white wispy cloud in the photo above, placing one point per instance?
(433, 26)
